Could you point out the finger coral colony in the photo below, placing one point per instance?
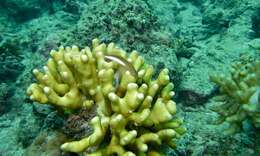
(134, 112)
(239, 98)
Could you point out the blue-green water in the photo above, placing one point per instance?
(191, 38)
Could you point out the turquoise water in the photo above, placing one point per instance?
(193, 39)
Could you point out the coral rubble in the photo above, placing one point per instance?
(134, 112)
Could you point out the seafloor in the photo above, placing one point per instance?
(192, 38)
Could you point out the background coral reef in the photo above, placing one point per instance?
(192, 38)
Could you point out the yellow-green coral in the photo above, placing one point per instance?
(134, 112)
(240, 94)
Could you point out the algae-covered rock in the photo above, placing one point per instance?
(256, 23)
(130, 24)
(46, 144)
(208, 138)
(3, 95)
(23, 10)
(10, 59)
(124, 22)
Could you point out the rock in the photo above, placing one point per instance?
(47, 143)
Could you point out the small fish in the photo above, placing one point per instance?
(123, 63)
(124, 66)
